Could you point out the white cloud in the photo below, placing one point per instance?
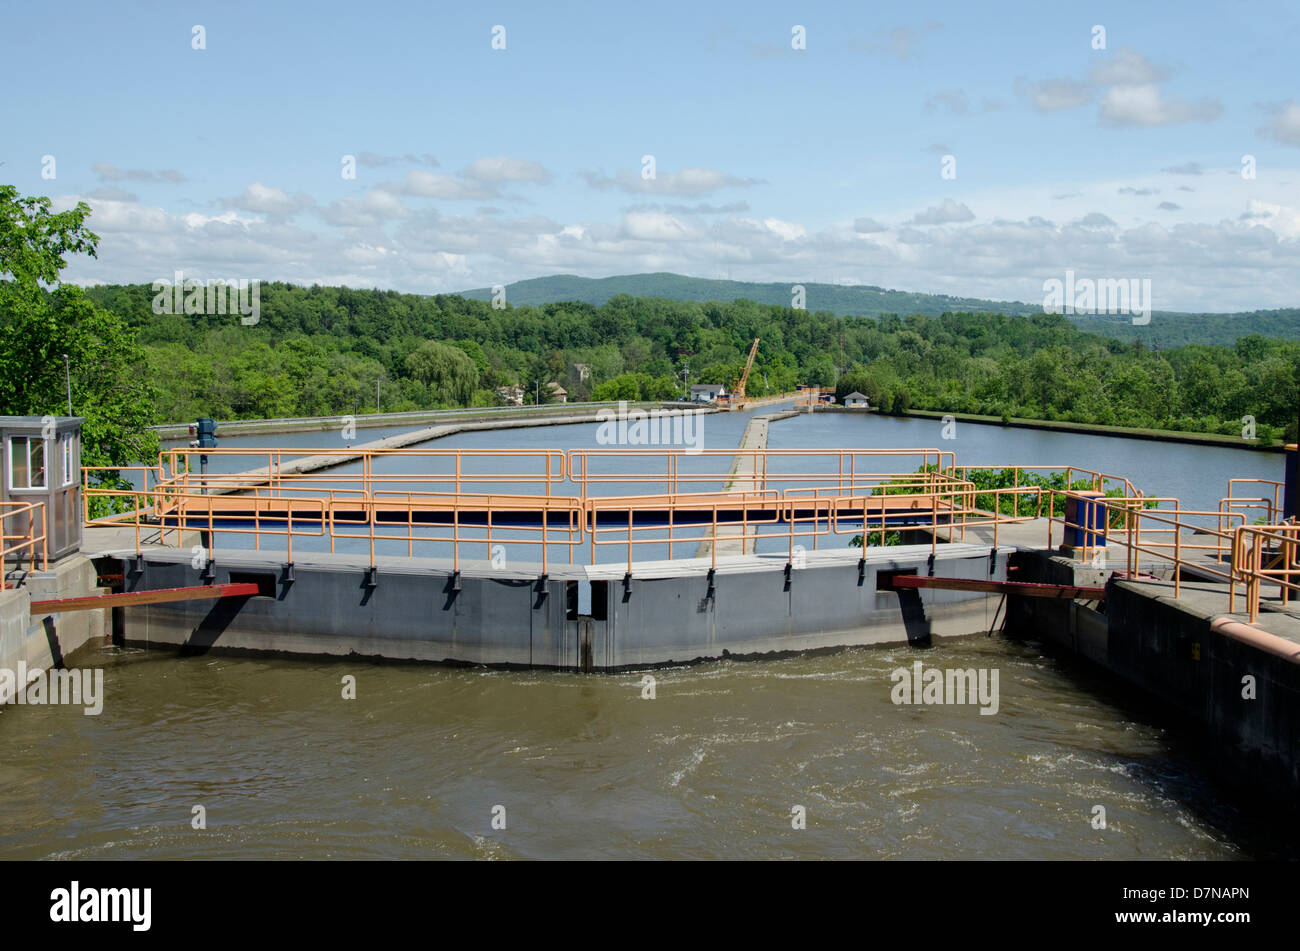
(424, 184)
(1145, 105)
(373, 208)
(946, 212)
(1285, 125)
(373, 160)
(1129, 86)
(687, 183)
(1127, 67)
(654, 226)
(502, 169)
(268, 200)
(1206, 255)
(868, 226)
(1052, 95)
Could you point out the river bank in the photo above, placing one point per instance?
(1089, 429)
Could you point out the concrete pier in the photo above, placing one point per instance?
(742, 479)
(296, 465)
(664, 613)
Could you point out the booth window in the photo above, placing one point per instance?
(26, 462)
(67, 458)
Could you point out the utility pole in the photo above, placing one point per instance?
(67, 375)
(376, 396)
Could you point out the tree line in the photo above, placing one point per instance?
(320, 351)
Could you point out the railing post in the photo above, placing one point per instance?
(1178, 558)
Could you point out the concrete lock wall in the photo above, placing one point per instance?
(1169, 649)
(46, 641)
(411, 611)
(1174, 653)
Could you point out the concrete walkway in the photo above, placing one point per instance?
(743, 479)
(340, 457)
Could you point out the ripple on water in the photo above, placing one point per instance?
(584, 767)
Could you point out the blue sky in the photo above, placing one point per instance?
(477, 166)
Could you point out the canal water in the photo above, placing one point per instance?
(720, 763)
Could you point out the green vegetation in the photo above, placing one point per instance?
(331, 350)
(840, 299)
(42, 319)
(321, 350)
(1166, 329)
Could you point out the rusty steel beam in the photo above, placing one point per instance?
(1024, 588)
(158, 596)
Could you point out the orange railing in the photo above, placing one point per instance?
(313, 471)
(673, 470)
(383, 512)
(19, 535)
(1267, 499)
(1267, 555)
(476, 499)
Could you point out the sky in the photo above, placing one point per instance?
(959, 148)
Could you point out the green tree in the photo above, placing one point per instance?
(448, 372)
(41, 319)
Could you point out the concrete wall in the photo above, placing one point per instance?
(1167, 648)
(50, 640)
(412, 613)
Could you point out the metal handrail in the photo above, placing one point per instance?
(25, 538)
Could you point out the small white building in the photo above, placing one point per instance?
(856, 400)
(558, 393)
(513, 395)
(707, 392)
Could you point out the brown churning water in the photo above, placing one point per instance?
(430, 762)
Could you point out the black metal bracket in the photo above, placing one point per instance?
(712, 592)
(993, 560)
(540, 586)
(455, 582)
(930, 564)
(372, 577)
(287, 573)
(210, 571)
(862, 571)
(138, 567)
(789, 572)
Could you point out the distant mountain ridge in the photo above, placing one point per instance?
(844, 299)
(1167, 328)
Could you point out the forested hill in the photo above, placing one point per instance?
(839, 299)
(1166, 329)
(321, 350)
